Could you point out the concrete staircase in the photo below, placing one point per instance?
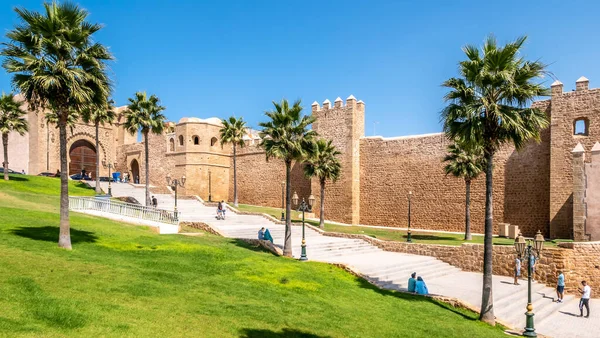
(391, 270)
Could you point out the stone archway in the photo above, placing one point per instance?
(82, 155)
(135, 171)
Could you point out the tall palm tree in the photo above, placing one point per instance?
(287, 136)
(145, 114)
(488, 107)
(465, 163)
(56, 65)
(99, 115)
(12, 119)
(325, 165)
(233, 131)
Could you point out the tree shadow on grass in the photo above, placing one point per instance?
(50, 234)
(18, 178)
(418, 237)
(285, 333)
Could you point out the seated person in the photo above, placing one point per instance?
(421, 287)
(412, 282)
(261, 233)
(268, 236)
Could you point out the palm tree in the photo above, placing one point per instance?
(325, 165)
(145, 114)
(233, 132)
(11, 119)
(99, 115)
(286, 136)
(467, 164)
(487, 107)
(56, 65)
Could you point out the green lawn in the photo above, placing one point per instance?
(422, 237)
(126, 281)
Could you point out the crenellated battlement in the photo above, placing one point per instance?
(339, 103)
(582, 84)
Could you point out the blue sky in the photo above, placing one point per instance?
(221, 58)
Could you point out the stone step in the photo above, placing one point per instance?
(570, 304)
(517, 318)
(428, 274)
(340, 253)
(517, 301)
(421, 267)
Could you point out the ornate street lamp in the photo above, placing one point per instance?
(408, 238)
(110, 166)
(531, 250)
(303, 207)
(174, 183)
(282, 203)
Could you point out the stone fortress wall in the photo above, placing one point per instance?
(533, 188)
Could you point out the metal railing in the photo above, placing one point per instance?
(123, 209)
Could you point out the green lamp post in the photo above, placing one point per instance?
(303, 207)
(532, 250)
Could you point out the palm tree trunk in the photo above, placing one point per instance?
(287, 244)
(5, 146)
(487, 300)
(468, 210)
(97, 163)
(322, 210)
(64, 238)
(147, 169)
(235, 196)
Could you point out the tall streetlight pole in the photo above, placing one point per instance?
(282, 201)
(408, 238)
(532, 251)
(174, 183)
(209, 186)
(110, 166)
(303, 207)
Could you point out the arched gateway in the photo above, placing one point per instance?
(82, 156)
(135, 171)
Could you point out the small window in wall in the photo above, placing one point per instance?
(181, 140)
(213, 141)
(196, 140)
(580, 127)
(171, 144)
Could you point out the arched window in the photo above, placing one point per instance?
(181, 140)
(580, 127)
(213, 141)
(171, 144)
(196, 140)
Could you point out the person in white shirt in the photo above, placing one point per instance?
(586, 292)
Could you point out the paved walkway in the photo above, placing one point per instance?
(391, 270)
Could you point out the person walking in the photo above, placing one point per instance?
(412, 282)
(154, 202)
(517, 270)
(586, 292)
(560, 287)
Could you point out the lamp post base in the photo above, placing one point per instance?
(408, 237)
(303, 255)
(282, 216)
(529, 329)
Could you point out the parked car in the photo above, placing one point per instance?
(46, 174)
(10, 171)
(79, 177)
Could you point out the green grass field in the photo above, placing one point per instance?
(423, 237)
(126, 281)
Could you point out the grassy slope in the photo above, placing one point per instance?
(392, 234)
(126, 281)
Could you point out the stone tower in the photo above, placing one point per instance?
(575, 117)
(345, 125)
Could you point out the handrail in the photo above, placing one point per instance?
(124, 209)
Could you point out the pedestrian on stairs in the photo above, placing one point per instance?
(517, 270)
(560, 287)
(154, 202)
(585, 299)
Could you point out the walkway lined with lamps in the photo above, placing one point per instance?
(391, 270)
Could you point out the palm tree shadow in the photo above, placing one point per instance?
(50, 234)
(18, 178)
(285, 333)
